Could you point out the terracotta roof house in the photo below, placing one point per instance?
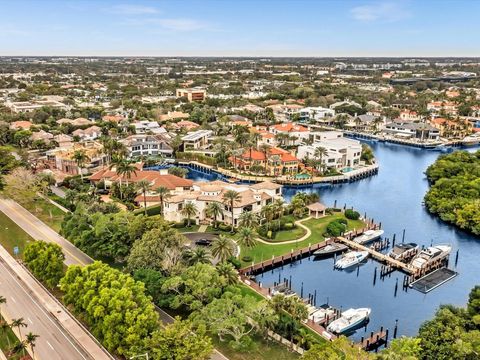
(251, 198)
(173, 115)
(21, 125)
(41, 135)
(187, 125)
(278, 161)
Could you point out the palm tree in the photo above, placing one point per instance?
(19, 323)
(248, 219)
(265, 148)
(163, 193)
(247, 237)
(2, 301)
(199, 255)
(255, 138)
(189, 210)
(30, 340)
(19, 348)
(123, 168)
(278, 210)
(144, 186)
(222, 248)
(5, 327)
(227, 270)
(319, 153)
(80, 157)
(267, 214)
(230, 197)
(214, 210)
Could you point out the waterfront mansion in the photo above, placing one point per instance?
(251, 198)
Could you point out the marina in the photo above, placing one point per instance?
(401, 168)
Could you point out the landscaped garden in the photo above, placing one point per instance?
(318, 227)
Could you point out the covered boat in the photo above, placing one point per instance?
(369, 236)
(350, 319)
(330, 249)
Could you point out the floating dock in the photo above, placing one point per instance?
(433, 280)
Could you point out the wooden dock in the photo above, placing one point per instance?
(375, 340)
(377, 255)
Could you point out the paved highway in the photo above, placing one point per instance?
(40, 231)
(44, 316)
(73, 256)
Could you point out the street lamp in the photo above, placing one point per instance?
(137, 356)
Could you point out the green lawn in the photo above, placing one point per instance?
(12, 235)
(318, 226)
(47, 212)
(286, 235)
(262, 350)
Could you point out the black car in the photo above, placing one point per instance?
(203, 242)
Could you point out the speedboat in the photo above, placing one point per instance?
(349, 320)
(403, 251)
(368, 236)
(350, 259)
(430, 254)
(330, 249)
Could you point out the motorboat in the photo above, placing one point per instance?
(403, 251)
(368, 236)
(350, 259)
(429, 255)
(471, 140)
(350, 319)
(330, 250)
(323, 312)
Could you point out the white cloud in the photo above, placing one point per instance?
(387, 11)
(129, 9)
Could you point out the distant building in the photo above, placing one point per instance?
(144, 127)
(91, 133)
(192, 94)
(29, 106)
(412, 130)
(277, 161)
(21, 125)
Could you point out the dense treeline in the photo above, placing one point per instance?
(455, 189)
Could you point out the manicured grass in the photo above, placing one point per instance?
(12, 235)
(262, 350)
(287, 235)
(185, 229)
(47, 212)
(318, 227)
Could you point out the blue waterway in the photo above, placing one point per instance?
(394, 198)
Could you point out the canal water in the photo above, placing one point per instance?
(394, 198)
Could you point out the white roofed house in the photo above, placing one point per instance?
(367, 123)
(90, 133)
(251, 198)
(196, 140)
(340, 152)
(146, 127)
(147, 145)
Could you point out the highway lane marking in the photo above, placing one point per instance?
(11, 297)
(42, 310)
(31, 322)
(41, 230)
(50, 345)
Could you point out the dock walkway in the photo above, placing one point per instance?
(377, 255)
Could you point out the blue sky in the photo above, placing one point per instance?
(240, 27)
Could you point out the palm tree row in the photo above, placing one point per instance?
(21, 345)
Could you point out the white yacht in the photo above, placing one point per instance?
(403, 251)
(349, 320)
(430, 254)
(368, 236)
(350, 259)
(471, 140)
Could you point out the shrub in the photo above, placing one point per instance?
(342, 221)
(352, 214)
(336, 228)
(269, 234)
(224, 227)
(288, 226)
(235, 262)
(247, 258)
